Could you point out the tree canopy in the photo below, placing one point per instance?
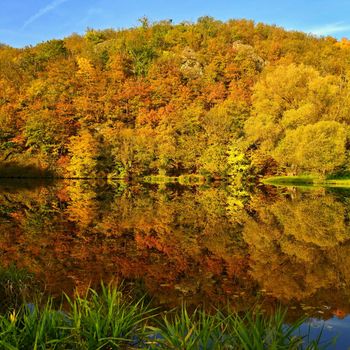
(174, 99)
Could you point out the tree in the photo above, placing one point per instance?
(319, 147)
(46, 134)
(285, 98)
(84, 151)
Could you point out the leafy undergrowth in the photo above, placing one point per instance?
(109, 320)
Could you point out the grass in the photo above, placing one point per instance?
(294, 180)
(95, 321)
(254, 330)
(110, 320)
(190, 179)
(304, 180)
(16, 285)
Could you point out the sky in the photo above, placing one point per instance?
(28, 22)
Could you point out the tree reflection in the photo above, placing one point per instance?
(208, 245)
(299, 246)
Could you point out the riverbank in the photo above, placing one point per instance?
(15, 171)
(306, 180)
(111, 320)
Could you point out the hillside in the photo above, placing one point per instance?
(212, 98)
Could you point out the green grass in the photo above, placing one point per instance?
(339, 182)
(254, 330)
(95, 321)
(16, 285)
(111, 320)
(182, 179)
(282, 180)
(306, 180)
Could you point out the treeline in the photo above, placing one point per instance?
(212, 98)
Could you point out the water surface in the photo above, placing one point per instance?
(211, 245)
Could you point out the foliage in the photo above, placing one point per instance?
(318, 147)
(297, 119)
(84, 153)
(171, 99)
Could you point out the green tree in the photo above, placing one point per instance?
(46, 134)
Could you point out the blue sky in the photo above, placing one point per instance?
(27, 22)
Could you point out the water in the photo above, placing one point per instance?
(208, 245)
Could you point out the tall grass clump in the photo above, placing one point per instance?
(107, 320)
(257, 331)
(253, 331)
(34, 328)
(96, 321)
(188, 331)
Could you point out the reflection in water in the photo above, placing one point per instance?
(207, 245)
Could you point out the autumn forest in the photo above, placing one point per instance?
(209, 98)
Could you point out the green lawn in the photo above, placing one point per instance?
(306, 180)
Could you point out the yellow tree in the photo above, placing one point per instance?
(84, 150)
(319, 147)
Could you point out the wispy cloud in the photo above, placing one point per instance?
(331, 28)
(43, 11)
(91, 13)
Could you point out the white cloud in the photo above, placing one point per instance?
(43, 11)
(329, 29)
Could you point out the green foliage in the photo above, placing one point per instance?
(141, 58)
(106, 320)
(97, 321)
(95, 36)
(190, 331)
(45, 134)
(51, 50)
(256, 331)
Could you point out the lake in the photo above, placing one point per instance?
(206, 245)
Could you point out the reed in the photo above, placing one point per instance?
(254, 330)
(110, 320)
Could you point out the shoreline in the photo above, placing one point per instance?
(306, 180)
